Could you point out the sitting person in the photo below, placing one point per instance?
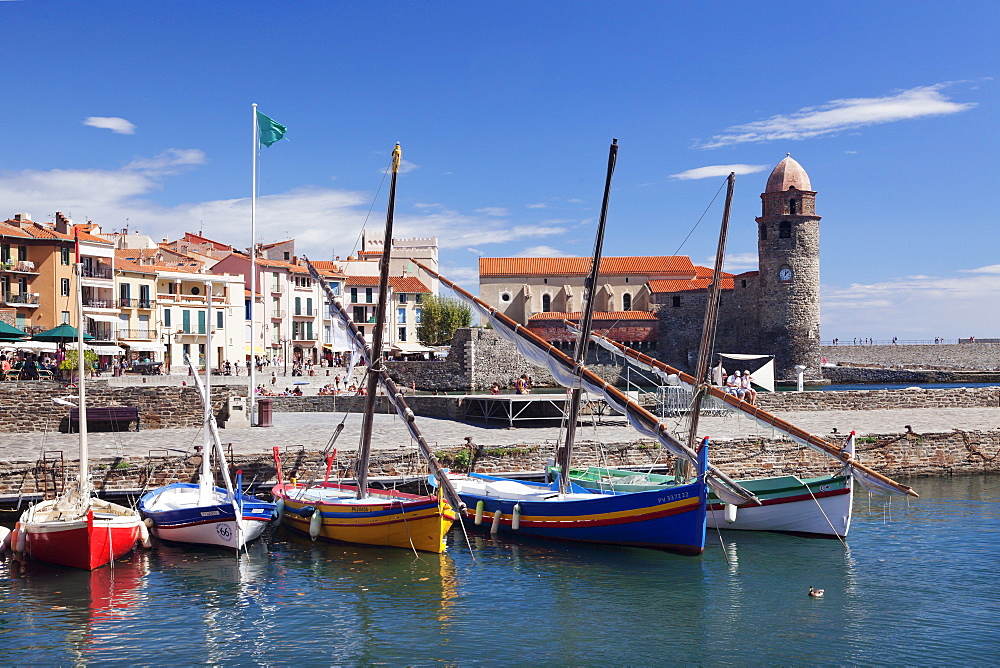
(734, 385)
(521, 385)
(750, 394)
(495, 389)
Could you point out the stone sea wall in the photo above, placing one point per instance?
(954, 356)
(895, 455)
(852, 400)
(27, 406)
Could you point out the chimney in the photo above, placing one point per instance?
(22, 217)
(62, 223)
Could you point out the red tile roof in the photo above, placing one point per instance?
(660, 286)
(410, 284)
(673, 266)
(599, 316)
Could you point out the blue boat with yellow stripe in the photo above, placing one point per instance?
(672, 520)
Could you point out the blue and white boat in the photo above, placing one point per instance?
(202, 513)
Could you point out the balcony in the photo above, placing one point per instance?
(18, 267)
(277, 314)
(143, 334)
(132, 302)
(277, 289)
(305, 314)
(20, 299)
(98, 303)
(100, 271)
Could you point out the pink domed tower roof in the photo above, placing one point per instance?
(788, 173)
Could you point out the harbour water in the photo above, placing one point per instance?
(915, 584)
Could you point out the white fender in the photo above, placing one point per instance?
(515, 523)
(730, 513)
(279, 510)
(496, 522)
(4, 539)
(144, 534)
(315, 524)
(148, 523)
(21, 539)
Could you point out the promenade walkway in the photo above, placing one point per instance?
(313, 431)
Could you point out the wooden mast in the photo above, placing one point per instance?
(375, 363)
(708, 326)
(580, 354)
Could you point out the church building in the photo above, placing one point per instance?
(771, 311)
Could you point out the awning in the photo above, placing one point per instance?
(256, 351)
(147, 347)
(105, 349)
(36, 346)
(102, 317)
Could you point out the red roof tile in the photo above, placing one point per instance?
(659, 286)
(675, 266)
(599, 316)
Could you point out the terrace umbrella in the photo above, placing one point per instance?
(62, 334)
(10, 333)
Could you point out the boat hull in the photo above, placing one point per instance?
(385, 518)
(672, 520)
(175, 515)
(103, 532)
(819, 507)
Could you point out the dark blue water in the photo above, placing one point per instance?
(916, 584)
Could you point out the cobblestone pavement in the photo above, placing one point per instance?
(313, 431)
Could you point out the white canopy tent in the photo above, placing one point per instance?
(763, 376)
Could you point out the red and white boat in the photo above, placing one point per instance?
(77, 529)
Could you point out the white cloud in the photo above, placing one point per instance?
(498, 211)
(539, 205)
(713, 171)
(735, 263)
(840, 115)
(407, 166)
(322, 220)
(541, 251)
(117, 125)
(467, 277)
(915, 308)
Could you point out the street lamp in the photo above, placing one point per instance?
(284, 344)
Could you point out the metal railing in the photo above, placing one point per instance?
(147, 334)
(20, 298)
(100, 271)
(132, 302)
(278, 313)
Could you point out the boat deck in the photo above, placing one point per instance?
(518, 409)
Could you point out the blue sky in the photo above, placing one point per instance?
(138, 114)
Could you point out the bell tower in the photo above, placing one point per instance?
(788, 255)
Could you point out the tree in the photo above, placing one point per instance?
(69, 363)
(440, 318)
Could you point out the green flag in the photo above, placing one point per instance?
(269, 130)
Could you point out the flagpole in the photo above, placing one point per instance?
(252, 396)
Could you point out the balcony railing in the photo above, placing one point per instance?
(99, 303)
(100, 271)
(19, 266)
(277, 313)
(277, 289)
(27, 298)
(146, 334)
(132, 302)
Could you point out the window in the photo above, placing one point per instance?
(298, 306)
(4, 252)
(763, 231)
(505, 297)
(64, 287)
(626, 302)
(309, 306)
(144, 296)
(354, 295)
(402, 297)
(195, 291)
(171, 288)
(402, 334)
(186, 320)
(784, 230)
(275, 307)
(418, 299)
(368, 295)
(359, 314)
(21, 321)
(218, 318)
(65, 317)
(64, 256)
(744, 282)
(676, 301)
(401, 316)
(546, 303)
(166, 318)
(793, 206)
(295, 330)
(309, 330)
(123, 291)
(288, 255)
(418, 315)
(22, 253)
(201, 322)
